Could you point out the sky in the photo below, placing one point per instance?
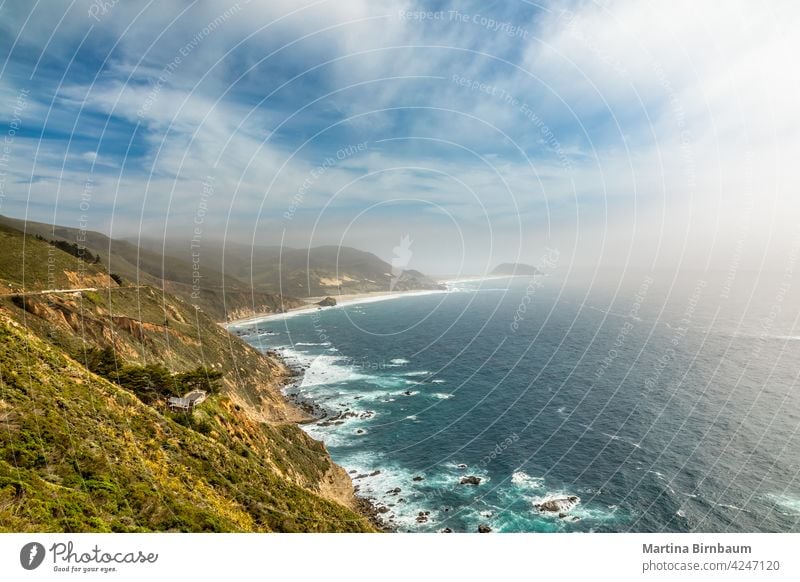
(610, 135)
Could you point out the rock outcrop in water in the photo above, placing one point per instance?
(470, 480)
(558, 505)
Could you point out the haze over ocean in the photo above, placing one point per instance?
(662, 405)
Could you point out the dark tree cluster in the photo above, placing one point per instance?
(152, 382)
(73, 249)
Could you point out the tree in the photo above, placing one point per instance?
(149, 382)
(201, 378)
(102, 362)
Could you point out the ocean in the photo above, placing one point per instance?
(652, 406)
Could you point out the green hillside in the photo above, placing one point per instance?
(314, 272)
(80, 451)
(222, 297)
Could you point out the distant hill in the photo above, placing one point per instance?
(236, 280)
(514, 270)
(88, 443)
(315, 272)
(222, 297)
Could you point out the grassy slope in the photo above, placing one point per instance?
(45, 267)
(80, 454)
(223, 297)
(303, 272)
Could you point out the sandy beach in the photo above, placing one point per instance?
(342, 300)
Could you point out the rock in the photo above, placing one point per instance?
(327, 302)
(408, 393)
(462, 466)
(470, 480)
(360, 476)
(484, 528)
(360, 431)
(383, 509)
(375, 473)
(559, 505)
(422, 518)
(353, 472)
(418, 478)
(394, 491)
(446, 530)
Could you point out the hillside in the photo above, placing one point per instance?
(80, 451)
(222, 297)
(314, 272)
(514, 270)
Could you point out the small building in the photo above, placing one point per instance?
(176, 403)
(188, 401)
(196, 397)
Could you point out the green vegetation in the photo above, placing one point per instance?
(222, 297)
(32, 263)
(74, 249)
(152, 383)
(81, 449)
(78, 453)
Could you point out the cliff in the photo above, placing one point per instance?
(81, 452)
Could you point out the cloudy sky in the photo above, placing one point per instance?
(641, 133)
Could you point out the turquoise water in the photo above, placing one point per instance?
(662, 410)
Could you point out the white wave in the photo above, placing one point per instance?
(438, 381)
(522, 479)
(312, 344)
(325, 369)
(792, 504)
(442, 395)
(399, 361)
(419, 373)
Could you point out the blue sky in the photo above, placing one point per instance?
(618, 132)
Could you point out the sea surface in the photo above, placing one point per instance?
(661, 405)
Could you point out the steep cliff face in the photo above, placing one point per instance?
(80, 453)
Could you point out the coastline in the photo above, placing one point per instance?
(342, 300)
(369, 507)
(363, 505)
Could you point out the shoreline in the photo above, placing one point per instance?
(342, 300)
(363, 505)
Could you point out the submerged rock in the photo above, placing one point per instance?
(418, 478)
